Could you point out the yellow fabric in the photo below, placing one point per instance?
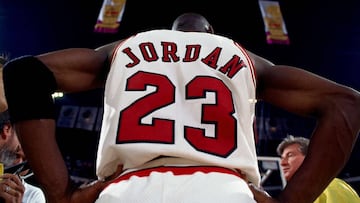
(338, 191)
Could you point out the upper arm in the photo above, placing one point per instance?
(297, 90)
(79, 69)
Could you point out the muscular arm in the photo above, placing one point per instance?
(337, 111)
(80, 69)
(77, 69)
(39, 144)
(74, 70)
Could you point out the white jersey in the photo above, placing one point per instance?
(33, 194)
(179, 94)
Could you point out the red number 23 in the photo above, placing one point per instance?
(220, 114)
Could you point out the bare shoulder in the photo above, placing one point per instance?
(109, 48)
(261, 64)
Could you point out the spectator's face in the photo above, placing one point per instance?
(291, 159)
(11, 152)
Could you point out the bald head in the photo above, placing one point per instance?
(192, 22)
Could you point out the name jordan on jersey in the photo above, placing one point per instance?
(192, 52)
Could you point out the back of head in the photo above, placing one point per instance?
(192, 22)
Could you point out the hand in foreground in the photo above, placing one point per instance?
(11, 188)
(261, 196)
(88, 193)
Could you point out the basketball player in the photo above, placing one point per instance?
(178, 117)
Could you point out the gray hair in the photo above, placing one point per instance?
(289, 140)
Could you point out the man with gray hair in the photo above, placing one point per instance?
(292, 151)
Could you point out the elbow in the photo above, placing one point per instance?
(342, 109)
(350, 111)
(355, 104)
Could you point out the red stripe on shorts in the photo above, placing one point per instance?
(177, 170)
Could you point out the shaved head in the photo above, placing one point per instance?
(192, 22)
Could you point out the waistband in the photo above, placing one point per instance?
(178, 170)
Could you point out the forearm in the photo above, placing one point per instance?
(34, 121)
(41, 149)
(329, 150)
(39, 144)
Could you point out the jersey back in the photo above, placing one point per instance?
(179, 94)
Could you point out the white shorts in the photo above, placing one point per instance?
(190, 184)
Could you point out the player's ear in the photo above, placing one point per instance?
(210, 29)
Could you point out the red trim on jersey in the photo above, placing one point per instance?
(178, 170)
(118, 46)
(252, 68)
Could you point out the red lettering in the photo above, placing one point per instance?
(192, 53)
(212, 59)
(132, 56)
(169, 51)
(148, 51)
(232, 66)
